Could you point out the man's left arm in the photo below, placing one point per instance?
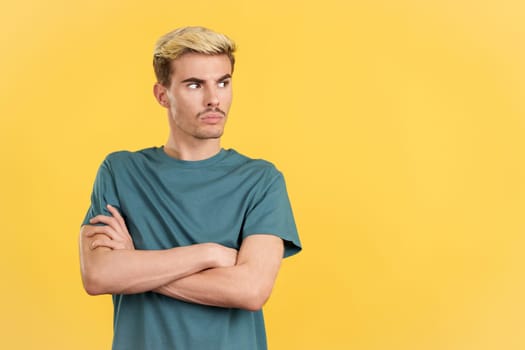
(246, 285)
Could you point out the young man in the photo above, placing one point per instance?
(188, 237)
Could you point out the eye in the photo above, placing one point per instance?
(224, 83)
(193, 85)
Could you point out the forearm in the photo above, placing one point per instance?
(231, 287)
(111, 265)
(107, 271)
(247, 285)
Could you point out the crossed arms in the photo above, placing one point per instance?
(206, 273)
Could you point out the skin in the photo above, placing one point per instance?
(111, 265)
(197, 102)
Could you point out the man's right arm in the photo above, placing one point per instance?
(128, 271)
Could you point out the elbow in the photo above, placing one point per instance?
(94, 289)
(93, 282)
(252, 306)
(92, 285)
(97, 278)
(256, 298)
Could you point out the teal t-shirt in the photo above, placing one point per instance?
(169, 203)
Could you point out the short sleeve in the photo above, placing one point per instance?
(104, 193)
(271, 213)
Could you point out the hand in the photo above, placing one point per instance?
(115, 233)
(223, 256)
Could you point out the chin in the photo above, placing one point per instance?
(209, 135)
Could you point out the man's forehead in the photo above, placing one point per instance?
(201, 66)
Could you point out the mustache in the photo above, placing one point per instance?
(214, 110)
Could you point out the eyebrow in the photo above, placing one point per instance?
(200, 81)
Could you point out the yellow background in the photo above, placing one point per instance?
(398, 124)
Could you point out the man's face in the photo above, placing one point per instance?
(199, 96)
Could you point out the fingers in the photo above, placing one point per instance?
(117, 216)
(116, 222)
(90, 231)
(108, 243)
(114, 228)
(227, 256)
(108, 220)
(105, 236)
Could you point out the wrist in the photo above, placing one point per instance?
(211, 255)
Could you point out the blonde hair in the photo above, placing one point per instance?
(184, 40)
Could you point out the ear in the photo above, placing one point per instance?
(161, 94)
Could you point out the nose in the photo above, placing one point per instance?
(212, 97)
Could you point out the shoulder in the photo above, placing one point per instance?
(260, 172)
(253, 164)
(122, 158)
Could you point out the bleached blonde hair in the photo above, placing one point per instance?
(184, 40)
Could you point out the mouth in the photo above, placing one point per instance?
(212, 117)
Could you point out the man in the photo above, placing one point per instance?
(188, 237)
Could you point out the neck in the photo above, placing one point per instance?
(198, 150)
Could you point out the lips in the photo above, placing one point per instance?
(211, 113)
(212, 118)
